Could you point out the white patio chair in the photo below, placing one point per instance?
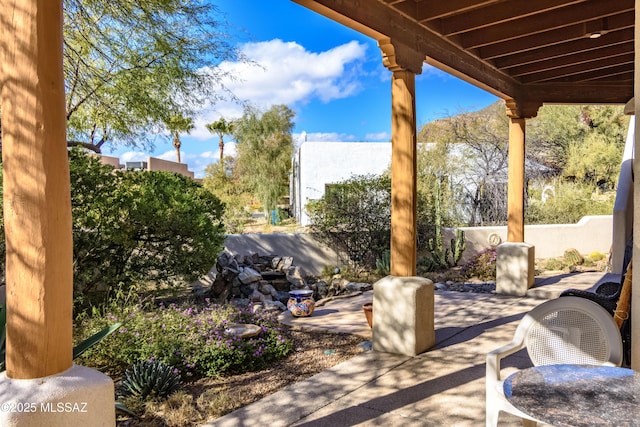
(569, 330)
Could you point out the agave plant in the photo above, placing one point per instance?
(150, 378)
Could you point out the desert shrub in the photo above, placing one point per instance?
(482, 265)
(225, 186)
(192, 339)
(354, 218)
(596, 256)
(571, 202)
(132, 227)
(552, 264)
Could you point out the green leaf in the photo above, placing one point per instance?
(120, 406)
(94, 339)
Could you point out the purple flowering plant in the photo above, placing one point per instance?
(482, 265)
(193, 339)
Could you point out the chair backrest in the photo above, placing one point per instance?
(571, 330)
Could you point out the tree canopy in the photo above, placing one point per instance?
(581, 144)
(265, 147)
(130, 66)
(221, 127)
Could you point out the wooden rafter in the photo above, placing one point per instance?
(509, 47)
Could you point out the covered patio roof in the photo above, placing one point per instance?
(527, 53)
(543, 51)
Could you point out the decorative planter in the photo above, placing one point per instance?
(301, 303)
(368, 313)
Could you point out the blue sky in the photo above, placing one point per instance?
(330, 75)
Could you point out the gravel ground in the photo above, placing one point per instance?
(210, 398)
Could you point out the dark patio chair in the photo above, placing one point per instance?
(607, 295)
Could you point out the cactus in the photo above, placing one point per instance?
(150, 378)
(458, 245)
(440, 256)
(573, 257)
(383, 264)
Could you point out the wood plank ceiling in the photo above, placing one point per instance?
(571, 51)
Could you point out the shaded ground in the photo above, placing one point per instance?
(210, 398)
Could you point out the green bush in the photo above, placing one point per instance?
(192, 339)
(552, 264)
(571, 202)
(136, 227)
(354, 217)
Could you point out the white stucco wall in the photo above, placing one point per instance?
(331, 162)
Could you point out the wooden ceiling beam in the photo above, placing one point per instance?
(575, 46)
(430, 9)
(622, 77)
(559, 93)
(544, 22)
(407, 7)
(499, 13)
(608, 52)
(544, 47)
(585, 71)
(374, 17)
(551, 38)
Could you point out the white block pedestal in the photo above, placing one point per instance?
(515, 268)
(403, 320)
(77, 397)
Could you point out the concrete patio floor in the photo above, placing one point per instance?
(444, 386)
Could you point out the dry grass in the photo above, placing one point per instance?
(210, 398)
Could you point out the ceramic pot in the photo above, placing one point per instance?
(301, 302)
(368, 312)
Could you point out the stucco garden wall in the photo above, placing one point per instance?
(592, 233)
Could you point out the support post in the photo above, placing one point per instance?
(404, 64)
(518, 111)
(37, 199)
(515, 259)
(37, 214)
(403, 175)
(403, 303)
(515, 192)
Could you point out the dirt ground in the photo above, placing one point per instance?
(210, 398)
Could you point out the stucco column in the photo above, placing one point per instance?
(404, 64)
(37, 201)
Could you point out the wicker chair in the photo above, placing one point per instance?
(564, 330)
(606, 294)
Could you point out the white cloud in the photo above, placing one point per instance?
(324, 137)
(286, 73)
(379, 136)
(133, 156)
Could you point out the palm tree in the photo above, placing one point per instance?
(176, 125)
(221, 127)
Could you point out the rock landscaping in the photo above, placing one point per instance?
(266, 280)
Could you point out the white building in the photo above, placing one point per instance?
(316, 164)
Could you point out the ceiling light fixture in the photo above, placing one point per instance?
(596, 29)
